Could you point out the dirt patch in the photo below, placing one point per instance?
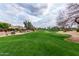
(3, 34)
(74, 35)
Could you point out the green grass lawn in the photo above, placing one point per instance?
(41, 43)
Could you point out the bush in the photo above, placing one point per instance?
(4, 25)
(77, 30)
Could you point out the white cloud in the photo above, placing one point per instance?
(12, 11)
(15, 13)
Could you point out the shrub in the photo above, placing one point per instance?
(77, 30)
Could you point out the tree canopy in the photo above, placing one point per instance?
(70, 16)
(4, 25)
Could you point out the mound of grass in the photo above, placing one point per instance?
(39, 43)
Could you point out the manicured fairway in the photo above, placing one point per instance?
(39, 43)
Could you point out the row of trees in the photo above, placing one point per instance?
(6, 26)
(49, 28)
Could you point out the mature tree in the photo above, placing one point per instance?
(28, 25)
(71, 15)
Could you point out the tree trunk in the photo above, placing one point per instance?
(78, 28)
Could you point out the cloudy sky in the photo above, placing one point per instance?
(40, 14)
